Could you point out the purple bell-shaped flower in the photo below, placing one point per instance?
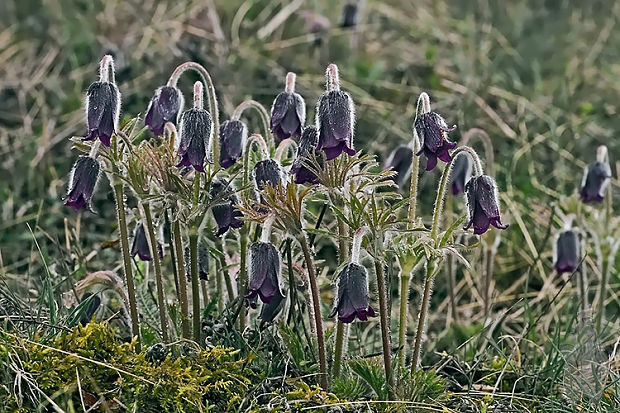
(353, 299)
(264, 272)
(482, 204)
(307, 144)
(288, 112)
(566, 255)
(233, 134)
(164, 107)
(84, 177)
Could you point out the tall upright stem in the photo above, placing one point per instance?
(402, 317)
(124, 236)
(180, 266)
(341, 333)
(242, 285)
(603, 156)
(224, 271)
(193, 259)
(428, 285)
(159, 280)
(385, 323)
(316, 304)
(488, 276)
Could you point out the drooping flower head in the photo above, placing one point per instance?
(103, 104)
(596, 177)
(400, 162)
(224, 210)
(269, 312)
(350, 15)
(267, 172)
(432, 132)
(233, 134)
(461, 173)
(482, 204)
(140, 244)
(566, 255)
(353, 299)
(307, 144)
(83, 181)
(196, 132)
(264, 272)
(335, 114)
(164, 107)
(288, 112)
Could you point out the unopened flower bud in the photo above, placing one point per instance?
(233, 134)
(196, 131)
(482, 204)
(83, 181)
(353, 299)
(307, 144)
(264, 272)
(164, 107)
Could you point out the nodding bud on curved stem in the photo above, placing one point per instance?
(258, 139)
(289, 86)
(286, 144)
(487, 144)
(106, 69)
(356, 245)
(170, 135)
(198, 95)
(333, 78)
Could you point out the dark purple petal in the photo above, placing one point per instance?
(102, 111)
(164, 107)
(264, 272)
(595, 180)
(353, 298)
(432, 130)
(270, 311)
(267, 172)
(566, 251)
(233, 134)
(334, 119)
(288, 114)
(224, 211)
(482, 204)
(196, 131)
(84, 177)
(140, 245)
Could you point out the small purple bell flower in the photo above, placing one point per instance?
(140, 244)
(350, 15)
(83, 181)
(432, 132)
(566, 255)
(400, 162)
(164, 107)
(461, 173)
(196, 131)
(595, 180)
(482, 204)
(224, 211)
(233, 134)
(335, 114)
(103, 104)
(307, 144)
(267, 172)
(288, 112)
(353, 299)
(264, 272)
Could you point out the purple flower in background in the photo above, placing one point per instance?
(224, 211)
(400, 162)
(140, 245)
(164, 107)
(482, 204)
(83, 181)
(461, 173)
(595, 180)
(566, 251)
(203, 262)
(334, 121)
(267, 172)
(270, 311)
(432, 131)
(350, 15)
(196, 131)
(288, 115)
(103, 103)
(264, 272)
(233, 134)
(307, 144)
(353, 299)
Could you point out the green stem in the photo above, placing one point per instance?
(159, 280)
(428, 283)
(385, 324)
(224, 270)
(402, 320)
(264, 117)
(488, 276)
(316, 304)
(341, 333)
(124, 237)
(180, 265)
(606, 260)
(242, 285)
(193, 254)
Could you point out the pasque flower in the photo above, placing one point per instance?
(566, 251)
(84, 176)
(350, 15)
(267, 172)
(432, 132)
(400, 162)
(352, 299)
(270, 311)
(233, 134)
(203, 262)
(288, 112)
(264, 272)
(140, 245)
(103, 103)
(595, 180)
(224, 211)
(335, 114)
(164, 107)
(196, 130)
(307, 144)
(482, 204)
(461, 173)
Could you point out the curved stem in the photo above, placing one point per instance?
(213, 106)
(264, 117)
(193, 259)
(159, 280)
(316, 304)
(343, 255)
(486, 142)
(124, 237)
(289, 86)
(286, 144)
(428, 284)
(180, 267)
(424, 101)
(333, 78)
(257, 139)
(106, 69)
(384, 316)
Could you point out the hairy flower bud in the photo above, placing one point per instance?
(595, 180)
(288, 115)
(400, 162)
(335, 116)
(140, 244)
(224, 211)
(264, 272)
(566, 255)
(353, 299)
(164, 107)
(83, 181)
(432, 132)
(482, 204)
(267, 172)
(307, 144)
(233, 134)
(196, 131)
(103, 103)
(461, 173)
